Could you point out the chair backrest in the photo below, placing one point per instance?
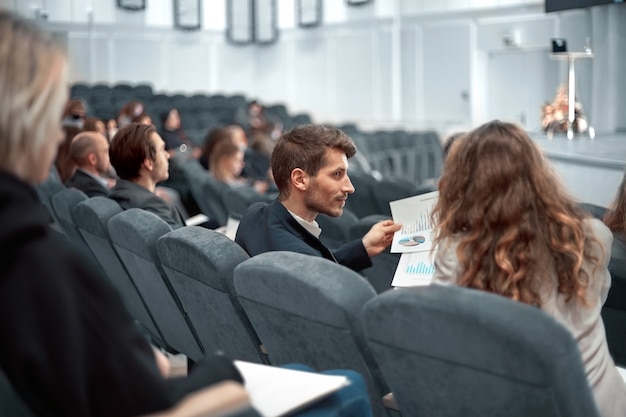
(92, 216)
(336, 230)
(306, 310)
(450, 351)
(206, 191)
(11, 404)
(363, 201)
(45, 191)
(199, 264)
(63, 203)
(614, 310)
(238, 199)
(134, 233)
(596, 211)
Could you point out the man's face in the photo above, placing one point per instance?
(101, 151)
(160, 163)
(329, 189)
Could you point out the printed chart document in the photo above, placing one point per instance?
(415, 240)
(276, 392)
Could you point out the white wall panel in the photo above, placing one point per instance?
(138, 59)
(78, 52)
(410, 74)
(187, 65)
(351, 64)
(272, 67)
(446, 62)
(311, 86)
(237, 69)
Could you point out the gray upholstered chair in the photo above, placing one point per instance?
(206, 191)
(134, 233)
(91, 217)
(336, 230)
(363, 201)
(45, 191)
(199, 264)
(238, 199)
(11, 404)
(63, 203)
(450, 351)
(306, 310)
(614, 311)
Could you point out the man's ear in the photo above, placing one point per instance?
(300, 179)
(148, 164)
(92, 159)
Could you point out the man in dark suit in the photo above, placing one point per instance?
(90, 152)
(139, 157)
(310, 168)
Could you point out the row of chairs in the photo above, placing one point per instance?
(440, 350)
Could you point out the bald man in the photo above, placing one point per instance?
(90, 153)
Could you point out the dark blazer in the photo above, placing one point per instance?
(270, 227)
(130, 195)
(87, 184)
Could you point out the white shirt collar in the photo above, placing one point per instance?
(311, 227)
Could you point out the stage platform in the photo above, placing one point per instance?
(591, 169)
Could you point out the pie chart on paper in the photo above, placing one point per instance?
(412, 240)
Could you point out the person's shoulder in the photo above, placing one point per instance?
(599, 230)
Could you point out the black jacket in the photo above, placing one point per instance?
(67, 343)
(270, 227)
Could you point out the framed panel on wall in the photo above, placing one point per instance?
(240, 21)
(133, 5)
(187, 14)
(309, 13)
(265, 30)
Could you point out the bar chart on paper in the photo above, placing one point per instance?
(415, 268)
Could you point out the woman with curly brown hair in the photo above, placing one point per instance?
(507, 226)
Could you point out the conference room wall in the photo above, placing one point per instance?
(454, 70)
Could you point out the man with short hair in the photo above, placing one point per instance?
(90, 152)
(310, 168)
(139, 157)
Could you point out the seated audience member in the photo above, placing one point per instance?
(142, 119)
(63, 162)
(139, 157)
(128, 112)
(111, 128)
(449, 142)
(74, 113)
(507, 226)
(253, 118)
(93, 124)
(215, 136)
(310, 167)
(90, 153)
(176, 140)
(70, 348)
(226, 163)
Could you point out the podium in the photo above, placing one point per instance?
(571, 58)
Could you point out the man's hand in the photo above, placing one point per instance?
(380, 236)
